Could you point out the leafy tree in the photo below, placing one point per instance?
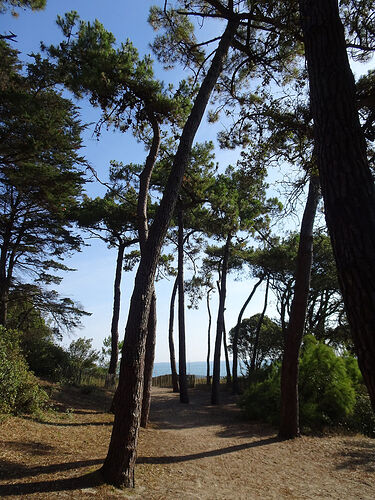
(270, 342)
(40, 178)
(82, 358)
(113, 219)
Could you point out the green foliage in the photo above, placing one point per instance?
(82, 359)
(270, 342)
(327, 393)
(20, 4)
(327, 390)
(19, 389)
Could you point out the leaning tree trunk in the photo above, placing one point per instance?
(208, 377)
(172, 355)
(184, 396)
(215, 395)
(258, 328)
(235, 387)
(110, 380)
(289, 421)
(118, 467)
(149, 362)
(346, 181)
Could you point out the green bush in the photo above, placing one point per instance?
(19, 389)
(363, 418)
(327, 389)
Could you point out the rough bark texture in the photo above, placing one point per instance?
(215, 395)
(149, 362)
(184, 396)
(235, 387)
(110, 380)
(289, 421)
(118, 467)
(259, 326)
(346, 181)
(226, 354)
(208, 377)
(172, 355)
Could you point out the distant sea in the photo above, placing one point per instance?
(194, 368)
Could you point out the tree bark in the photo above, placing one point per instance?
(184, 396)
(215, 395)
(226, 354)
(346, 181)
(289, 421)
(110, 380)
(118, 467)
(259, 326)
(172, 355)
(208, 377)
(149, 362)
(235, 387)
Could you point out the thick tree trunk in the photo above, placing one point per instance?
(149, 362)
(289, 421)
(215, 394)
(346, 181)
(118, 467)
(172, 355)
(259, 326)
(184, 396)
(208, 377)
(110, 380)
(235, 387)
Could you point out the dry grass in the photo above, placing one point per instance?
(189, 451)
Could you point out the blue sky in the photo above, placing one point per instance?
(92, 283)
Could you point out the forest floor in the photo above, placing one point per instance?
(193, 451)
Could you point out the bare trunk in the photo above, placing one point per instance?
(172, 355)
(346, 181)
(208, 377)
(184, 396)
(215, 396)
(110, 380)
(118, 467)
(259, 326)
(149, 362)
(227, 364)
(289, 422)
(235, 387)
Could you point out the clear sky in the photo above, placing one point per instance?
(92, 283)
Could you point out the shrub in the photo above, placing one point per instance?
(19, 389)
(326, 389)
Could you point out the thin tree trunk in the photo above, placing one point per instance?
(289, 422)
(110, 380)
(149, 362)
(184, 396)
(172, 355)
(235, 387)
(118, 467)
(208, 377)
(226, 354)
(215, 395)
(346, 181)
(259, 326)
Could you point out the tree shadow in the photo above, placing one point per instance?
(30, 447)
(358, 455)
(90, 480)
(13, 470)
(206, 454)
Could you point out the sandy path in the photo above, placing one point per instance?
(193, 451)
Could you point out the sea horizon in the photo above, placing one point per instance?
(198, 368)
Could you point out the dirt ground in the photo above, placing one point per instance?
(193, 451)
